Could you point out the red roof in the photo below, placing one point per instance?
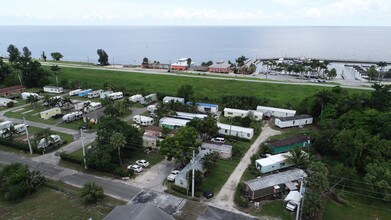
(11, 89)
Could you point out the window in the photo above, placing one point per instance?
(226, 131)
(293, 122)
(248, 135)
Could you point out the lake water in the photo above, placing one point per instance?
(129, 44)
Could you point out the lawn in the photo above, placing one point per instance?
(275, 209)
(279, 94)
(50, 203)
(292, 132)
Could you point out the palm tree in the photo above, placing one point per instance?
(297, 157)
(66, 102)
(381, 65)
(32, 100)
(9, 133)
(371, 73)
(118, 140)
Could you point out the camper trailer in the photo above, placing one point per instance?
(54, 139)
(169, 99)
(72, 116)
(135, 98)
(94, 94)
(25, 95)
(5, 101)
(231, 112)
(152, 108)
(143, 120)
(276, 112)
(5, 125)
(81, 105)
(84, 92)
(273, 163)
(49, 113)
(103, 95)
(53, 89)
(93, 106)
(20, 128)
(74, 92)
(116, 95)
(148, 99)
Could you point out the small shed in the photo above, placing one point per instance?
(284, 145)
(49, 113)
(293, 196)
(276, 112)
(224, 150)
(94, 116)
(53, 89)
(237, 131)
(293, 121)
(205, 107)
(274, 184)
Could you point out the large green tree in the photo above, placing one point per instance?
(91, 192)
(118, 141)
(186, 92)
(13, 53)
(103, 57)
(57, 56)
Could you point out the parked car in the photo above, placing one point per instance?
(136, 168)
(208, 194)
(218, 140)
(142, 163)
(172, 175)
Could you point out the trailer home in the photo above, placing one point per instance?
(293, 121)
(116, 95)
(81, 105)
(73, 116)
(5, 101)
(74, 92)
(93, 106)
(148, 99)
(84, 93)
(231, 130)
(205, 107)
(143, 120)
(231, 112)
(169, 99)
(172, 123)
(19, 128)
(94, 94)
(273, 163)
(152, 108)
(6, 125)
(103, 95)
(135, 98)
(189, 116)
(53, 140)
(51, 112)
(53, 89)
(276, 112)
(25, 95)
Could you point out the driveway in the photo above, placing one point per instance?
(225, 197)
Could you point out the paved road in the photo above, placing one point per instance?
(114, 188)
(225, 197)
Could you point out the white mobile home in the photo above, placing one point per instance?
(49, 113)
(148, 99)
(93, 106)
(293, 121)
(172, 123)
(256, 115)
(53, 89)
(205, 107)
(169, 99)
(116, 95)
(189, 116)
(143, 120)
(231, 112)
(74, 92)
(152, 108)
(272, 163)
(237, 131)
(135, 98)
(103, 95)
(276, 112)
(25, 95)
(94, 94)
(6, 125)
(5, 101)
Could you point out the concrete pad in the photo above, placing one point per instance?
(18, 110)
(23, 113)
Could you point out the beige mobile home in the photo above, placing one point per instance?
(49, 113)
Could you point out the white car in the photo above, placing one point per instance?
(142, 163)
(172, 175)
(136, 168)
(218, 140)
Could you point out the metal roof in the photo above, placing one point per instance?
(197, 164)
(139, 211)
(203, 104)
(53, 87)
(173, 121)
(235, 128)
(220, 65)
(275, 179)
(296, 117)
(265, 109)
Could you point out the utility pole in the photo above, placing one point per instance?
(27, 134)
(192, 184)
(84, 150)
(299, 210)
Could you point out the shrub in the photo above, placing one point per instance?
(21, 146)
(72, 158)
(120, 171)
(130, 172)
(179, 189)
(10, 104)
(238, 199)
(91, 193)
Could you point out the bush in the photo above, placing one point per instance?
(72, 158)
(120, 171)
(91, 193)
(130, 172)
(21, 146)
(179, 189)
(10, 104)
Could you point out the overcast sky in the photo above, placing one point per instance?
(196, 12)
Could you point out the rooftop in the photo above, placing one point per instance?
(236, 110)
(214, 213)
(203, 104)
(189, 116)
(235, 128)
(53, 87)
(197, 165)
(138, 211)
(10, 89)
(96, 114)
(265, 108)
(296, 117)
(272, 159)
(275, 179)
(220, 65)
(173, 121)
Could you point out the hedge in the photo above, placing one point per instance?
(25, 146)
(72, 158)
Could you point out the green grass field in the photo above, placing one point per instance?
(279, 94)
(274, 209)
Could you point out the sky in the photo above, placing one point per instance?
(197, 12)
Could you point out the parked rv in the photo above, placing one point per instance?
(53, 89)
(74, 92)
(81, 105)
(95, 94)
(148, 99)
(5, 125)
(25, 95)
(143, 120)
(72, 116)
(5, 101)
(93, 106)
(20, 128)
(103, 95)
(84, 92)
(135, 98)
(53, 140)
(116, 95)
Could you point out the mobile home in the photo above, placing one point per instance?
(143, 120)
(273, 163)
(152, 108)
(74, 92)
(135, 98)
(276, 112)
(5, 101)
(19, 128)
(51, 112)
(148, 99)
(189, 116)
(231, 112)
(115, 95)
(93, 106)
(81, 105)
(103, 95)
(6, 125)
(205, 107)
(53, 89)
(231, 130)
(94, 94)
(25, 95)
(169, 99)
(172, 123)
(182, 179)
(293, 121)
(84, 92)
(72, 116)
(54, 139)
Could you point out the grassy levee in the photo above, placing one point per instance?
(279, 94)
